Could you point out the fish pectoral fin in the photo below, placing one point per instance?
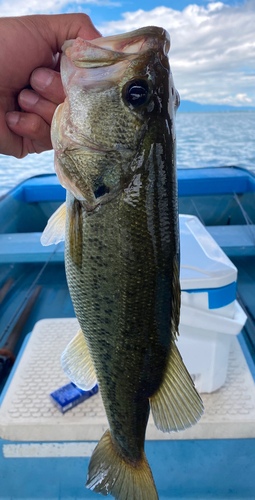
(176, 405)
(109, 473)
(77, 364)
(55, 229)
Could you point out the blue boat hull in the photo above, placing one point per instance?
(183, 469)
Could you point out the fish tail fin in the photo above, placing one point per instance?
(110, 473)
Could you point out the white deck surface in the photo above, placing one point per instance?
(27, 414)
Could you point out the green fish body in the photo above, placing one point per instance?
(114, 141)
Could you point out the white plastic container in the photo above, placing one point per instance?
(210, 315)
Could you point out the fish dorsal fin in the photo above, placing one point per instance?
(55, 229)
(77, 364)
(176, 405)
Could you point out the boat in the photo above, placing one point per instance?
(44, 453)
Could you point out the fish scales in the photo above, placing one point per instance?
(114, 142)
(118, 308)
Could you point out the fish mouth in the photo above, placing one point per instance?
(106, 51)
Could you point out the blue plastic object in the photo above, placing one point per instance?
(70, 395)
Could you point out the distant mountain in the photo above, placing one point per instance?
(196, 107)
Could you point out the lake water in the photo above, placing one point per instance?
(203, 140)
(216, 139)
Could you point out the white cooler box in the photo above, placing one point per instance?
(210, 315)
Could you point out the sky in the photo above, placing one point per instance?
(212, 53)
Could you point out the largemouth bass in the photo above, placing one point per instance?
(114, 141)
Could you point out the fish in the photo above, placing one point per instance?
(115, 153)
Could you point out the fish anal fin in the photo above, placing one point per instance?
(109, 473)
(176, 405)
(77, 364)
(55, 229)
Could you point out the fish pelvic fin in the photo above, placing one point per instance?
(77, 364)
(109, 473)
(55, 229)
(176, 405)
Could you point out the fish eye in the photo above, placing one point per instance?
(136, 92)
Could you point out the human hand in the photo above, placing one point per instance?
(28, 43)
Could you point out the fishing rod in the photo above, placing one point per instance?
(22, 312)
(7, 356)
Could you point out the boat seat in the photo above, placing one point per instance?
(26, 247)
(234, 240)
(229, 411)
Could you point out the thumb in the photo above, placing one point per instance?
(64, 27)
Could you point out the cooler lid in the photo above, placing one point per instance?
(203, 264)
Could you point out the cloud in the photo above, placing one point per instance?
(242, 99)
(28, 7)
(212, 48)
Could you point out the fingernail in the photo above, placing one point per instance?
(28, 98)
(41, 78)
(12, 118)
